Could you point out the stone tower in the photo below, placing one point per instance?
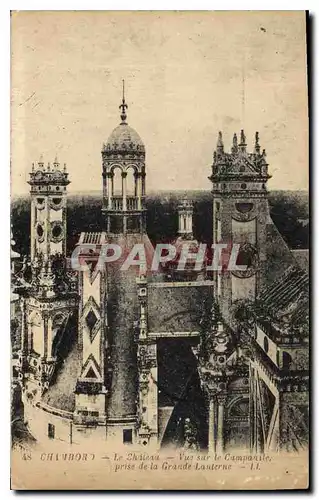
(240, 215)
(48, 209)
(123, 159)
(108, 390)
(49, 302)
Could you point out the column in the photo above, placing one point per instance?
(24, 327)
(33, 235)
(139, 192)
(111, 189)
(124, 190)
(49, 338)
(220, 425)
(143, 175)
(45, 334)
(190, 223)
(104, 175)
(251, 408)
(64, 225)
(257, 417)
(211, 425)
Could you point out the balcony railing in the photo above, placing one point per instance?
(117, 203)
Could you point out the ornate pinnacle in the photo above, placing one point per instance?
(220, 144)
(242, 137)
(242, 145)
(234, 148)
(40, 162)
(123, 106)
(257, 146)
(56, 163)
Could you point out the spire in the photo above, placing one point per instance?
(234, 148)
(40, 162)
(257, 146)
(220, 144)
(123, 106)
(56, 163)
(242, 145)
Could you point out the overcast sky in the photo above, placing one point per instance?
(183, 74)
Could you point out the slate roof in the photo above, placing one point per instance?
(60, 393)
(283, 307)
(177, 308)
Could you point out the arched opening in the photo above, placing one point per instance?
(131, 182)
(117, 187)
(237, 431)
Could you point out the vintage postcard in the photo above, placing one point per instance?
(159, 250)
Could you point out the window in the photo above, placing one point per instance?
(286, 360)
(127, 436)
(244, 207)
(51, 431)
(266, 344)
(56, 231)
(40, 231)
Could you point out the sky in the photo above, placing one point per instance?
(187, 76)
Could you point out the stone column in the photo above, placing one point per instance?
(257, 417)
(251, 408)
(49, 338)
(124, 190)
(105, 186)
(45, 334)
(110, 190)
(139, 191)
(211, 425)
(47, 227)
(33, 232)
(24, 331)
(220, 425)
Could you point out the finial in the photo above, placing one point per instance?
(123, 106)
(242, 145)
(220, 144)
(49, 167)
(257, 146)
(32, 167)
(40, 162)
(234, 148)
(64, 168)
(242, 137)
(56, 162)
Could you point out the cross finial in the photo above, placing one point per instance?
(123, 106)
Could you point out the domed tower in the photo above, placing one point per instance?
(123, 157)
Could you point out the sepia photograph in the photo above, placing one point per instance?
(159, 250)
